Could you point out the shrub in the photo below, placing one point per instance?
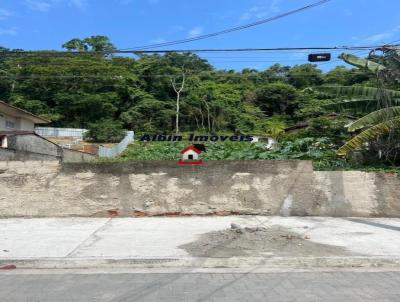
(105, 131)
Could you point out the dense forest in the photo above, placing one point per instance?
(177, 92)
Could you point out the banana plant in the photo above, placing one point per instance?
(376, 123)
(362, 63)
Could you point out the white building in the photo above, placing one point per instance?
(16, 119)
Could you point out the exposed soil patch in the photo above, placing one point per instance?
(256, 242)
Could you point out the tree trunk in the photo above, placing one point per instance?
(178, 98)
(208, 115)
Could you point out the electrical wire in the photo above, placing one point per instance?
(229, 50)
(121, 77)
(233, 29)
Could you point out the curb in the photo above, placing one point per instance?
(236, 262)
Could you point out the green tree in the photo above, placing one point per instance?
(276, 98)
(75, 44)
(275, 73)
(93, 43)
(305, 75)
(105, 131)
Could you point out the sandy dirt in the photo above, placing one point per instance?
(260, 241)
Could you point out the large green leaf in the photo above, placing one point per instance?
(376, 117)
(368, 135)
(358, 91)
(361, 63)
(353, 105)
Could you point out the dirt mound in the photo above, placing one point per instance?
(259, 241)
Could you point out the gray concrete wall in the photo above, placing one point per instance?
(33, 147)
(73, 156)
(33, 143)
(136, 189)
(12, 155)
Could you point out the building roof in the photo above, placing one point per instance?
(20, 113)
(191, 148)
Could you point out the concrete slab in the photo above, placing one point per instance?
(35, 238)
(157, 242)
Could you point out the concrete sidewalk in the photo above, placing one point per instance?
(200, 242)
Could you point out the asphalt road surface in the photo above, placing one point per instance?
(127, 287)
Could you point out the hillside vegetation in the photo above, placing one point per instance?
(176, 93)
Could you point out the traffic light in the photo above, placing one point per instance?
(319, 57)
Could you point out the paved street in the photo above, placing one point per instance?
(294, 286)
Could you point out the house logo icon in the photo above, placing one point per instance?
(190, 156)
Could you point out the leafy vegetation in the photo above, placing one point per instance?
(304, 109)
(380, 125)
(105, 130)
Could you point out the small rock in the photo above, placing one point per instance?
(148, 204)
(250, 230)
(235, 226)
(6, 251)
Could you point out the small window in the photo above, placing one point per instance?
(10, 125)
(191, 156)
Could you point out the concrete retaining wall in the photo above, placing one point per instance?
(136, 189)
(73, 156)
(13, 155)
(27, 147)
(33, 144)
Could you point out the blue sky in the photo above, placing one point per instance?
(47, 24)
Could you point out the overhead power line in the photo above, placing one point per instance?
(238, 75)
(279, 49)
(233, 29)
(205, 50)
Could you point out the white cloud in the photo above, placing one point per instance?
(4, 14)
(42, 6)
(261, 10)
(196, 31)
(384, 36)
(12, 31)
(46, 5)
(78, 3)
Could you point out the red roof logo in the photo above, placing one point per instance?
(190, 148)
(190, 156)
